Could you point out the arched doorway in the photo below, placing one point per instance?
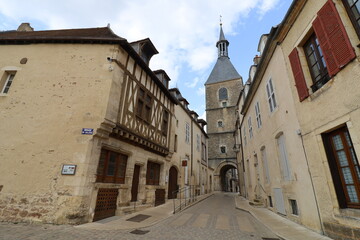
(229, 178)
(173, 185)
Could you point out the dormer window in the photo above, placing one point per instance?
(163, 77)
(145, 49)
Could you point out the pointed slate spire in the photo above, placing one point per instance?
(223, 69)
(222, 36)
(222, 44)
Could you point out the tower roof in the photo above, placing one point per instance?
(222, 36)
(223, 69)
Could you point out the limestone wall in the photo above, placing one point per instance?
(332, 106)
(60, 90)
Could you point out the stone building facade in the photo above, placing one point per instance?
(222, 90)
(309, 137)
(87, 127)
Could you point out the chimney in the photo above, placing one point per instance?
(25, 27)
(257, 60)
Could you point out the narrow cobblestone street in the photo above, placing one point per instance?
(213, 218)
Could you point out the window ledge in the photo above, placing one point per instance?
(111, 185)
(3, 95)
(324, 88)
(349, 213)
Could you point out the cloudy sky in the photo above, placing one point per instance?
(183, 31)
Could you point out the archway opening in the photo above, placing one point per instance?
(229, 179)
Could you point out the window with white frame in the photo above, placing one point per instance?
(283, 157)
(271, 95)
(244, 132)
(248, 172)
(250, 128)
(187, 132)
(198, 142)
(258, 115)
(6, 82)
(265, 165)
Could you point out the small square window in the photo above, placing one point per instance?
(223, 149)
(294, 207)
(220, 124)
(224, 104)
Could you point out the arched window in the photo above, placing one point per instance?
(223, 94)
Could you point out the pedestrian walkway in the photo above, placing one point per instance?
(281, 226)
(141, 219)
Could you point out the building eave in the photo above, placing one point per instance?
(275, 38)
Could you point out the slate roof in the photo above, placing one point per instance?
(222, 35)
(103, 35)
(90, 35)
(222, 71)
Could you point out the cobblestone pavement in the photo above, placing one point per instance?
(213, 218)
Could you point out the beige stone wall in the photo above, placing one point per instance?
(335, 104)
(282, 120)
(199, 176)
(60, 90)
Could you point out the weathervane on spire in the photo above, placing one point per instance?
(220, 20)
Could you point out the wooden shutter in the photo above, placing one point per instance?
(300, 82)
(333, 38)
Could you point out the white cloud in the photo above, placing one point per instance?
(183, 31)
(193, 83)
(266, 6)
(201, 91)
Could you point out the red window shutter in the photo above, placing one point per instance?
(300, 82)
(333, 38)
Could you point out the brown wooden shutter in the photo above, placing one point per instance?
(333, 39)
(300, 82)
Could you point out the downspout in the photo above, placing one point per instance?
(242, 155)
(192, 149)
(312, 184)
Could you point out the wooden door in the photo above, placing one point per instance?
(135, 184)
(173, 185)
(159, 197)
(105, 203)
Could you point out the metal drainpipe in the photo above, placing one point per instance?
(312, 184)
(192, 149)
(242, 155)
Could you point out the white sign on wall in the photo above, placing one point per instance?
(68, 169)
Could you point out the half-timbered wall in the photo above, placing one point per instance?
(148, 131)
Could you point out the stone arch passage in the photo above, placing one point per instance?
(228, 178)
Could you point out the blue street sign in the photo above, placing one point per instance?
(87, 131)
